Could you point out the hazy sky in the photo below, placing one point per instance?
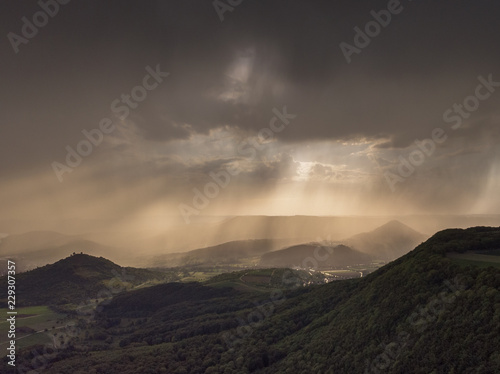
(337, 146)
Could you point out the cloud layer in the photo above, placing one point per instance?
(354, 121)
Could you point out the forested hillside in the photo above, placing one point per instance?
(75, 279)
(423, 313)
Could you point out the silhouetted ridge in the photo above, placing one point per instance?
(73, 279)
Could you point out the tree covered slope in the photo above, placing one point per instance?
(74, 279)
(423, 313)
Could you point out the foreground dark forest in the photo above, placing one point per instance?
(427, 312)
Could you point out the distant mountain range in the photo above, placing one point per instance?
(386, 243)
(234, 252)
(302, 228)
(315, 255)
(297, 228)
(144, 235)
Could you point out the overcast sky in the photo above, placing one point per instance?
(338, 148)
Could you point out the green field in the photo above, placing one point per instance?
(200, 276)
(32, 321)
(252, 280)
(491, 252)
(343, 274)
(475, 259)
(239, 285)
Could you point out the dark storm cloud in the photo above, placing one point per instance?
(91, 52)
